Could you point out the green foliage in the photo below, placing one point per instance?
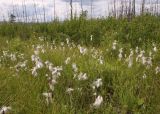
(124, 90)
(142, 28)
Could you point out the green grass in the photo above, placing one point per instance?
(140, 29)
(124, 90)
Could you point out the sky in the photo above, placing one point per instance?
(62, 8)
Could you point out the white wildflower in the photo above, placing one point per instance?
(144, 76)
(39, 64)
(33, 57)
(69, 90)
(56, 71)
(5, 109)
(137, 50)
(100, 60)
(91, 37)
(51, 86)
(149, 62)
(120, 54)
(140, 55)
(67, 40)
(130, 59)
(154, 48)
(114, 45)
(82, 76)
(43, 51)
(40, 38)
(48, 97)
(36, 52)
(82, 50)
(143, 60)
(74, 66)
(67, 60)
(97, 83)
(13, 57)
(157, 69)
(34, 71)
(98, 101)
(21, 65)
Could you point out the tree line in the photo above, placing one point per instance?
(117, 9)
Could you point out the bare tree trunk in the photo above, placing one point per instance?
(82, 6)
(151, 7)
(54, 10)
(35, 9)
(134, 7)
(71, 5)
(44, 12)
(25, 10)
(114, 8)
(122, 9)
(143, 6)
(129, 10)
(126, 8)
(157, 9)
(23, 14)
(91, 8)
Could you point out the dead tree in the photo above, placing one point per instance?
(35, 9)
(54, 10)
(71, 6)
(114, 9)
(133, 7)
(143, 6)
(129, 15)
(91, 8)
(121, 9)
(12, 18)
(156, 7)
(126, 8)
(44, 12)
(81, 6)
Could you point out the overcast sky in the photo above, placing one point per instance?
(100, 8)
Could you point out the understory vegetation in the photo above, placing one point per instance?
(98, 66)
(140, 29)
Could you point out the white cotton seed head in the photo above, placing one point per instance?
(114, 45)
(157, 69)
(47, 94)
(67, 60)
(51, 87)
(98, 101)
(69, 90)
(82, 76)
(144, 76)
(34, 71)
(5, 109)
(82, 50)
(155, 49)
(97, 83)
(91, 37)
(48, 97)
(137, 50)
(74, 67)
(67, 40)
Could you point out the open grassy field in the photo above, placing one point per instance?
(113, 69)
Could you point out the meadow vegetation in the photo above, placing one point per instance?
(79, 66)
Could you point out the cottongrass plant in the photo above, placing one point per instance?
(68, 78)
(5, 109)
